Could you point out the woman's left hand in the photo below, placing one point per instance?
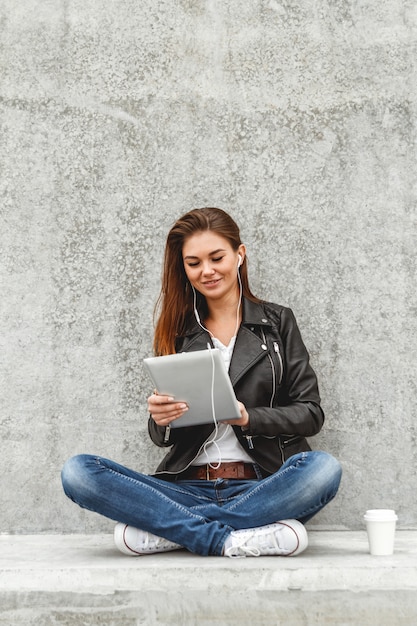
(244, 417)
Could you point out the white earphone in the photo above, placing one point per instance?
(239, 260)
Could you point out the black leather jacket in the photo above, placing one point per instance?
(271, 375)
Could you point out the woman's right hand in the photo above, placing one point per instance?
(164, 409)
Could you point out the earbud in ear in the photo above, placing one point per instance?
(239, 260)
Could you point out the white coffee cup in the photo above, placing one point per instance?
(380, 526)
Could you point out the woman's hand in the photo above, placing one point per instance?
(243, 421)
(164, 409)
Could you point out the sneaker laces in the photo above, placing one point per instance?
(254, 548)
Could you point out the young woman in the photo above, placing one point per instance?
(245, 487)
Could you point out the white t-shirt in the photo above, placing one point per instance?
(224, 448)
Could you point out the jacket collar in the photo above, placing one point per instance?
(249, 347)
(253, 314)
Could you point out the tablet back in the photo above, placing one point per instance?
(188, 376)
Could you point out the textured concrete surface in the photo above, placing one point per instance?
(116, 117)
(84, 580)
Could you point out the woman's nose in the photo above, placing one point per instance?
(207, 269)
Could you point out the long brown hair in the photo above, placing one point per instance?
(175, 303)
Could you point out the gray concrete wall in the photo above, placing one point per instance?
(116, 117)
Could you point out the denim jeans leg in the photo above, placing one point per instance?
(300, 489)
(146, 502)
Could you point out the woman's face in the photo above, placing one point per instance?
(211, 264)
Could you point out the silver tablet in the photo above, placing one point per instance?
(189, 377)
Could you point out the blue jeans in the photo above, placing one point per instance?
(200, 514)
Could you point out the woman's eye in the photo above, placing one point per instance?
(216, 259)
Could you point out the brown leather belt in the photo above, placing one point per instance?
(237, 470)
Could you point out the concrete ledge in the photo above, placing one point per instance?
(82, 579)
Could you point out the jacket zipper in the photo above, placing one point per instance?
(167, 433)
(278, 353)
(281, 448)
(249, 439)
(274, 373)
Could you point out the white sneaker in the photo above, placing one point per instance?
(135, 542)
(285, 538)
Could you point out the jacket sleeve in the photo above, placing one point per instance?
(296, 409)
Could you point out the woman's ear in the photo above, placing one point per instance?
(241, 255)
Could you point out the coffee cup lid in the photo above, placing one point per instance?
(380, 514)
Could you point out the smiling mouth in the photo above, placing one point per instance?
(210, 283)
